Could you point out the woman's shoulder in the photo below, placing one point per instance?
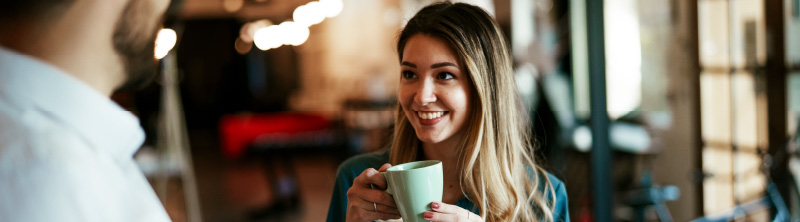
(349, 170)
(357, 164)
(557, 184)
(554, 181)
(560, 209)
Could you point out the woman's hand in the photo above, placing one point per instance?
(367, 204)
(446, 212)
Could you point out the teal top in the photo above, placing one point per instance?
(353, 167)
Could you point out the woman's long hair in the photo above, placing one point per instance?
(498, 171)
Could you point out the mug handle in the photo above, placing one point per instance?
(389, 189)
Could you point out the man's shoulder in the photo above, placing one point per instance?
(29, 137)
(20, 114)
(26, 123)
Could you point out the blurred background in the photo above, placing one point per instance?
(259, 101)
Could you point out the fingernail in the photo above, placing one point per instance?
(428, 215)
(435, 205)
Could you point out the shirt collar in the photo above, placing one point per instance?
(46, 88)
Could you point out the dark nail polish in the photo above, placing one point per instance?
(428, 215)
(435, 205)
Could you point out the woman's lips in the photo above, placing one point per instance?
(428, 118)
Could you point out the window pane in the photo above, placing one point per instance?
(623, 57)
(747, 33)
(715, 106)
(749, 182)
(792, 24)
(718, 188)
(793, 103)
(713, 34)
(745, 125)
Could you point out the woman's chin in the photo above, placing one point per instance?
(428, 139)
(436, 136)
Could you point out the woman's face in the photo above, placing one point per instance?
(434, 89)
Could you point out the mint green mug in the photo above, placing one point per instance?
(414, 186)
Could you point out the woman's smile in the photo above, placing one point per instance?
(430, 118)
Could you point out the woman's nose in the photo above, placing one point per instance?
(425, 93)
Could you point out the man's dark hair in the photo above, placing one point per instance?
(14, 9)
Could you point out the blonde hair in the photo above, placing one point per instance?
(498, 171)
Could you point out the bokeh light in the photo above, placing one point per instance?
(293, 33)
(332, 8)
(267, 38)
(314, 12)
(301, 16)
(232, 5)
(249, 29)
(164, 42)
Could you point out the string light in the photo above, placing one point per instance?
(249, 29)
(232, 5)
(267, 36)
(332, 8)
(315, 12)
(294, 34)
(300, 15)
(242, 47)
(164, 42)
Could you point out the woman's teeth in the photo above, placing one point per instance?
(429, 115)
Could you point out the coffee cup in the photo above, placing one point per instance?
(414, 186)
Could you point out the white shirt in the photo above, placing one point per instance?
(66, 150)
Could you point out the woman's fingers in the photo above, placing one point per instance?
(362, 188)
(376, 207)
(357, 212)
(447, 212)
(433, 216)
(372, 215)
(385, 167)
(366, 203)
(371, 196)
(370, 176)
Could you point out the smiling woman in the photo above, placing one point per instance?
(458, 104)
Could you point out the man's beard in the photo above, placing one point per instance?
(135, 45)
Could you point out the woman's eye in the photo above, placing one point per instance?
(445, 75)
(408, 75)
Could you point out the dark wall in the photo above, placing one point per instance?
(216, 80)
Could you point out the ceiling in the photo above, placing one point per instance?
(275, 10)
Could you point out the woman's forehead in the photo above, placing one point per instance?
(428, 49)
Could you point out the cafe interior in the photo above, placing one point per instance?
(647, 110)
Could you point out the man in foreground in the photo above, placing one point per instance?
(66, 149)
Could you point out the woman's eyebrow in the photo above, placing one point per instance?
(408, 64)
(443, 64)
(437, 65)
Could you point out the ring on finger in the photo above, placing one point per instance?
(375, 206)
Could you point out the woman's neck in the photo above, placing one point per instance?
(445, 151)
(448, 153)
(440, 151)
